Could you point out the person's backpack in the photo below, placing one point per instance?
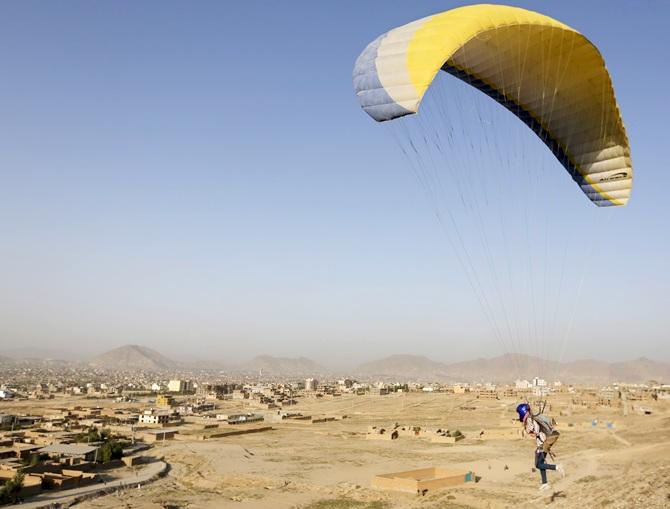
(547, 427)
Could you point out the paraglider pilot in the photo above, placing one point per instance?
(545, 436)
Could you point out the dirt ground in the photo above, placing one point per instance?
(330, 465)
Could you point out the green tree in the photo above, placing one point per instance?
(9, 493)
(93, 434)
(105, 453)
(110, 450)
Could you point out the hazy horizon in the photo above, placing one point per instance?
(352, 362)
(166, 182)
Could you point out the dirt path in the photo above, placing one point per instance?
(133, 479)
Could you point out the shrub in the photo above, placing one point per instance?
(9, 493)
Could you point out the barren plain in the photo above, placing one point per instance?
(330, 465)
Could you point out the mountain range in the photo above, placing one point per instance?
(401, 368)
(508, 367)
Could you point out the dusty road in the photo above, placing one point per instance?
(130, 480)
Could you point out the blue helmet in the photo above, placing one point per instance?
(523, 409)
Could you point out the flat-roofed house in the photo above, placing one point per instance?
(154, 418)
(7, 419)
(77, 451)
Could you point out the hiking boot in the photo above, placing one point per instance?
(544, 487)
(560, 470)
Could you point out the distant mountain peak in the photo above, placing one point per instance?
(129, 357)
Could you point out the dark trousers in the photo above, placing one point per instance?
(542, 466)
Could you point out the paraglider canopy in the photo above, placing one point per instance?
(545, 72)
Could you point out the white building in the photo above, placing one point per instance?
(541, 390)
(179, 386)
(522, 384)
(149, 417)
(311, 384)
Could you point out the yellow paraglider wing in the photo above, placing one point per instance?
(543, 71)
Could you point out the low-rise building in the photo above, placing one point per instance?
(244, 418)
(180, 386)
(7, 419)
(150, 417)
(164, 400)
(70, 451)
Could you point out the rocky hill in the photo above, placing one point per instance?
(132, 357)
(407, 367)
(640, 370)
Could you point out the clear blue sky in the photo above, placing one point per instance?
(199, 177)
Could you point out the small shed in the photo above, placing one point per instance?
(421, 480)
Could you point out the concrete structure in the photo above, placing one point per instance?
(379, 391)
(244, 418)
(487, 394)
(221, 433)
(541, 391)
(164, 400)
(180, 386)
(153, 418)
(422, 480)
(509, 393)
(131, 461)
(609, 396)
(7, 419)
(308, 419)
(79, 451)
(311, 384)
(460, 388)
(18, 450)
(159, 435)
(67, 479)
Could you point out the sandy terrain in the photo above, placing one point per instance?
(330, 465)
